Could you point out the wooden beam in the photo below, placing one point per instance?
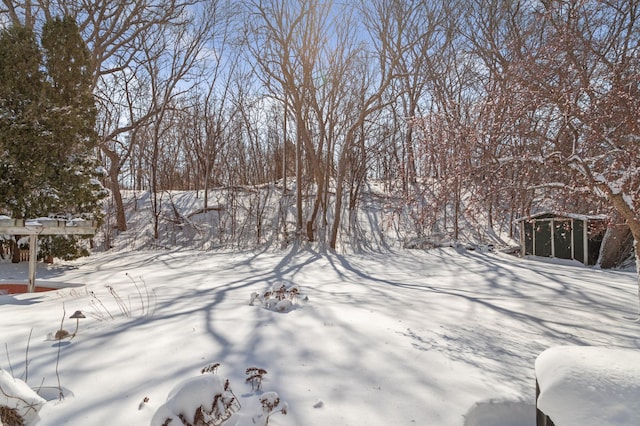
(33, 255)
(44, 226)
(49, 229)
(43, 230)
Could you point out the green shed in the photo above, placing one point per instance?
(562, 236)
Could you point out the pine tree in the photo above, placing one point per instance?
(47, 127)
(22, 86)
(72, 118)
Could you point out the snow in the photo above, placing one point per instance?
(589, 386)
(17, 395)
(445, 336)
(187, 397)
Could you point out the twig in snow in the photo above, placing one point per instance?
(60, 393)
(6, 348)
(26, 358)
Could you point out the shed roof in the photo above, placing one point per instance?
(561, 215)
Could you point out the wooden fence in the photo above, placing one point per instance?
(5, 250)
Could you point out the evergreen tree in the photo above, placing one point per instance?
(47, 126)
(22, 147)
(71, 120)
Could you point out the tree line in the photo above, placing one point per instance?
(463, 109)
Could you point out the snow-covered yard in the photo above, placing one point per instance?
(442, 337)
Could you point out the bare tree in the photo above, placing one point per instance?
(113, 31)
(287, 41)
(222, 72)
(170, 58)
(429, 30)
(574, 68)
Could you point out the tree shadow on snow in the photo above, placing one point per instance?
(503, 330)
(519, 309)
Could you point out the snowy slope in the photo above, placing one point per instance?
(383, 221)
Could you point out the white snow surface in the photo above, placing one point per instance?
(440, 337)
(589, 386)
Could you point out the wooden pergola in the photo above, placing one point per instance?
(43, 226)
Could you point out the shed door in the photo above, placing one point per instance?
(562, 238)
(543, 238)
(528, 238)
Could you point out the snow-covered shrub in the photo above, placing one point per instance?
(255, 377)
(19, 404)
(271, 404)
(208, 400)
(211, 368)
(269, 401)
(280, 298)
(205, 400)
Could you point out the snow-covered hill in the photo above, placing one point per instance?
(260, 216)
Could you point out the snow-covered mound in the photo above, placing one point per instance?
(16, 396)
(204, 398)
(589, 386)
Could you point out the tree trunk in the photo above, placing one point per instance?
(338, 211)
(456, 210)
(636, 248)
(342, 169)
(298, 181)
(618, 201)
(206, 182)
(613, 245)
(114, 172)
(314, 214)
(15, 249)
(121, 219)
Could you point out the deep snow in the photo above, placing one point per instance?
(442, 337)
(589, 386)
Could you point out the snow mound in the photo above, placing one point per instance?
(589, 386)
(15, 394)
(204, 397)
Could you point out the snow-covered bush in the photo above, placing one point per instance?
(19, 404)
(208, 400)
(280, 298)
(205, 400)
(255, 377)
(271, 404)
